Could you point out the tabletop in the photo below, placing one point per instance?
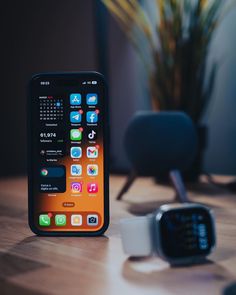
(97, 265)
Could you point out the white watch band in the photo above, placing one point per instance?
(136, 235)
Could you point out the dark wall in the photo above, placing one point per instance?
(38, 36)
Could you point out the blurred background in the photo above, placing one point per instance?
(41, 36)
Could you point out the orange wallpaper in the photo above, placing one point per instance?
(83, 202)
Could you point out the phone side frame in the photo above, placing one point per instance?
(106, 130)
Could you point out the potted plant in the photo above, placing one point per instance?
(173, 41)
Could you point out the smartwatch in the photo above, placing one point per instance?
(178, 233)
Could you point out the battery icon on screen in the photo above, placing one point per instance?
(94, 82)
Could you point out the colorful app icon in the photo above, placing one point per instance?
(44, 172)
(44, 220)
(76, 187)
(60, 219)
(75, 135)
(75, 152)
(75, 117)
(76, 219)
(92, 187)
(92, 134)
(92, 99)
(92, 117)
(92, 219)
(75, 99)
(92, 170)
(92, 152)
(76, 170)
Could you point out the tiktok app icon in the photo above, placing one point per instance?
(92, 134)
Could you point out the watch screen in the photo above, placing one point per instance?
(67, 169)
(186, 232)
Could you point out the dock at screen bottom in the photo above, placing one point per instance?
(69, 220)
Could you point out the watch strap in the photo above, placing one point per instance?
(136, 235)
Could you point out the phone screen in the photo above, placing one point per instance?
(68, 177)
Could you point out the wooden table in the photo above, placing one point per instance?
(60, 265)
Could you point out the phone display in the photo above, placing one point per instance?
(68, 167)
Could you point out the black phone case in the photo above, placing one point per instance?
(32, 226)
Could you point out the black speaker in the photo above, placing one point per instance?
(157, 143)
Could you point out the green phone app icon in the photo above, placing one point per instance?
(75, 134)
(60, 219)
(44, 220)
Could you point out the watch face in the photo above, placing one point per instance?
(186, 232)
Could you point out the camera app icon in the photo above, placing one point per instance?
(92, 220)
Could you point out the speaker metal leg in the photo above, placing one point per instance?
(177, 182)
(129, 181)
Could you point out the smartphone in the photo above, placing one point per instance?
(68, 182)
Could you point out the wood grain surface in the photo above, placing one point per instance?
(71, 265)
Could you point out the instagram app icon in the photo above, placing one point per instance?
(76, 187)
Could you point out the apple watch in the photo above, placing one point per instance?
(178, 233)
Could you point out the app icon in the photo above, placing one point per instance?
(92, 152)
(92, 219)
(75, 152)
(92, 99)
(75, 117)
(75, 99)
(44, 220)
(92, 170)
(92, 117)
(76, 187)
(92, 187)
(75, 134)
(76, 170)
(92, 134)
(60, 219)
(44, 172)
(76, 219)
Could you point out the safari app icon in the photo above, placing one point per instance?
(75, 152)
